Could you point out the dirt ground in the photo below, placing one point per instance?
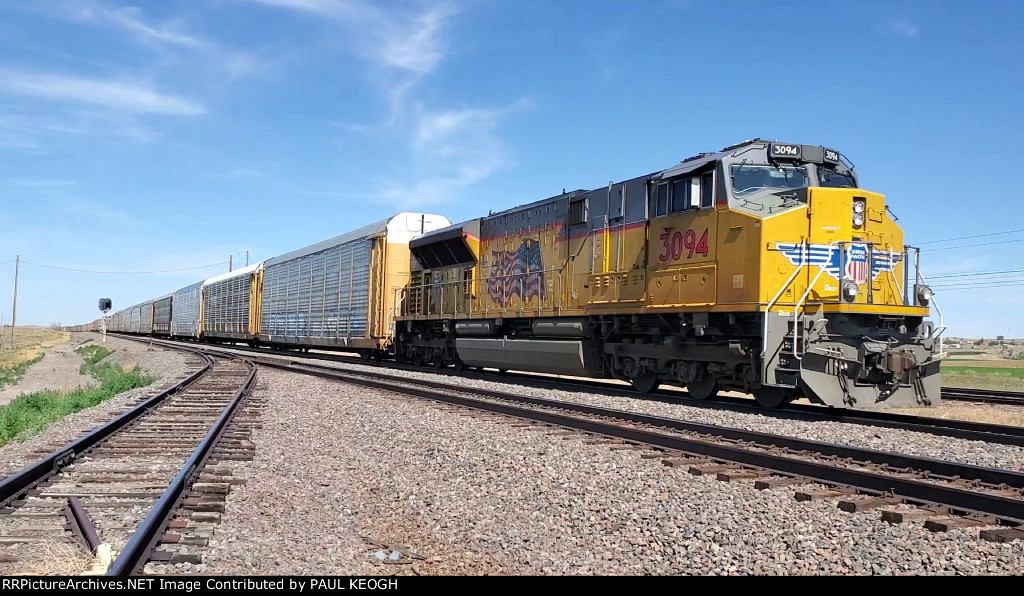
(28, 342)
(58, 370)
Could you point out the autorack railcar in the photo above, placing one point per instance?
(340, 293)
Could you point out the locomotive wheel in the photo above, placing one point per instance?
(645, 382)
(706, 388)
(771, 397)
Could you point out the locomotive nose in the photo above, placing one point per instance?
(845, 214)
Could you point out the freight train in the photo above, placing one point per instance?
(763, 268)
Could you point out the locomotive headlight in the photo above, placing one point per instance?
(924, 294)
(850, 290)
(859, 207)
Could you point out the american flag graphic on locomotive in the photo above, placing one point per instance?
(517, 273)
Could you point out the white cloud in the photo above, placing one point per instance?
(118, 95)
(903, 28)
(449, 149)
(130, 19)
(162, 37)
(412, 40)
(29, 129)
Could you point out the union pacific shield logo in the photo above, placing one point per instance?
(857, 263)
(839, 264)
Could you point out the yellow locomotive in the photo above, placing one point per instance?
(762, 268)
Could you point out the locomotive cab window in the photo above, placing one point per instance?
(749, 180)
(833, 179)
(662, 203)
(707, 190)
(680, 196)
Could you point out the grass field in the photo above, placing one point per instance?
(984, 374)
(30, 413)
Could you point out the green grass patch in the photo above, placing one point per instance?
(92, 356)
(11, 374)
(32, 412)
(1016, 373)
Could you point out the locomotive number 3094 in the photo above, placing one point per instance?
(675, 244)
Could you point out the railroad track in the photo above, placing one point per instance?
(947, 494)
(987, 396)
(974, 431)
(134, 483)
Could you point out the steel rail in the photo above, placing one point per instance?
(988, 396)
(133, 557)
(967, 500)
(961, 429)
(20, 482)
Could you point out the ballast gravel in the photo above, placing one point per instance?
(342, 470)
(165, 365)
(917, 444)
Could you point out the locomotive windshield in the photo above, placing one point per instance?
(833, 179)
(749, 179)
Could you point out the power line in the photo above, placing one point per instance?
(970, 237)
(974, 245)
(976, 287)
(125, 272)
(990, 284)
(982, 274)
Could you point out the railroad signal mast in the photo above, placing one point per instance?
(105, 305)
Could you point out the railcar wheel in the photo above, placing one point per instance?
(645, 382)
(417, 358)
(772, 397)
(459, 364)
(704, 389)
(438, 361)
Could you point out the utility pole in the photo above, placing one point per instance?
(231, 263)
(246, 258)
(14, 315)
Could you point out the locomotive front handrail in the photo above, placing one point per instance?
(822, 268)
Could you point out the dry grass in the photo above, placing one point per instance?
(52, 557)
(28, 342)
(989, 414)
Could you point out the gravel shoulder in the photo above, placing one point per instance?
(57, 371)
(476, 495)
(167, 366)
(867, 437)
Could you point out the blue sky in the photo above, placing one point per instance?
(154, 136)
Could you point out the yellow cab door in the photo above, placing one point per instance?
(682, 244)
